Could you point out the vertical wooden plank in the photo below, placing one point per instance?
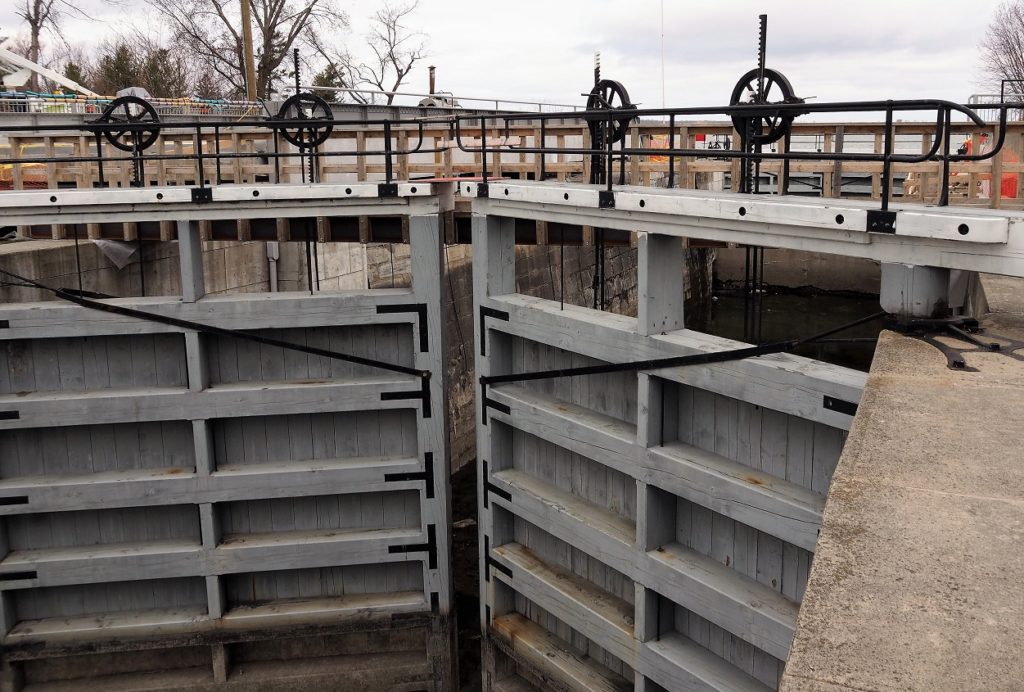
(660, 279)
(190, 251)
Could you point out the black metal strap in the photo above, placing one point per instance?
(484, 313)
(839, 406)
(490, 562)
(427, 475)
(421, 311)
(490, 487)
(423, 394)
(430, 547)
(486, 403)
(78, 299)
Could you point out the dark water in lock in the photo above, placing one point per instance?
(791, 316)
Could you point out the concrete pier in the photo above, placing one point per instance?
(916, 581)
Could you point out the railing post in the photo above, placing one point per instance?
(887, 159)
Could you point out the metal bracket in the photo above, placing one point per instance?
(9, 415)
(962, 329)
(430, 547)
(881, 221)
(490, 562)
(488, 312)
(483, 190)
(839, 406)
(420, 309)
(605, 199)
(427, 475)
(487, 403)
(387, 189)
(5, 324)
(27, 575)
(490, 487)
(202, 195)
(423, 394)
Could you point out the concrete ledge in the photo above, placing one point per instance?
(916, 582)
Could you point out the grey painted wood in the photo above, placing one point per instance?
(243, 399)
(791, 384)
(774, 505)
(693, 495)
(168, 482)
(96, 363)
(285, 310)
(190, 252)
(660, 282)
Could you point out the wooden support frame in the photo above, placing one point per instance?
(590, 584)
(247, 473)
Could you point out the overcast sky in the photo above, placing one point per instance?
(543, 49)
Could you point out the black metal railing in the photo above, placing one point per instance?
(308, 135)
(940, 150)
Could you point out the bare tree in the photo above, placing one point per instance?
(43, 16)
(1002, 48)
(211, 30)
(393, 50)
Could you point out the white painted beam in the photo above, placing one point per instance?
(950, 237)
(174, 203)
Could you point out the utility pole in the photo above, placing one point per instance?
(247, 54)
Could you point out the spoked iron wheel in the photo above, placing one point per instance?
(131, 110)
(306, 107)
(769, 126)
(608, 94)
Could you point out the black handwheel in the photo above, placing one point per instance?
(768, 126)
(608, 94)
(130, 110)
(307, 107)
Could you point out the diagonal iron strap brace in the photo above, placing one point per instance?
(675, 361)
(78, 299)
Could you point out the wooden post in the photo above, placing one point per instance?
(190, 251)
(493, 274)
(996, 186)
(661, 283)
(876, 178)
(634, 161)
(427, 261)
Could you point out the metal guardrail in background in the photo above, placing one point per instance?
(34, 102)
(132, 125)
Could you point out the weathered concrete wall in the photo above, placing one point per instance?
(228, 267)
(795, 269)
(916, 583)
